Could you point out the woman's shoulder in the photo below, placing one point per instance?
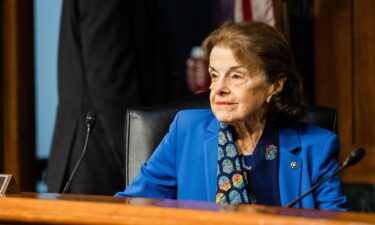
(301, 133)
(306, 129)
(194, 117)
(195, 113)
(306, 135)
(312, 141)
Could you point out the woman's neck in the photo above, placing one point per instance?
(248, 135)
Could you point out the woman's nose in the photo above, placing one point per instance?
(220, 86)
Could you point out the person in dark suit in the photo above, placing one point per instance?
(112, 54)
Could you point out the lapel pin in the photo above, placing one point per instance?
(294, 165)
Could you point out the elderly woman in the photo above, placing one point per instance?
(249, 148)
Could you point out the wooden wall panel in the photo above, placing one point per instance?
(18, 92)
(1, 95)
(364, 72)
(344, 56)
(333, 57)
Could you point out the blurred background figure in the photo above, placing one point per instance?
(197, 72)
(112, 55)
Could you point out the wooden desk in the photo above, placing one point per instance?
(32, 208)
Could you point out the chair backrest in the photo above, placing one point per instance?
(146, 126)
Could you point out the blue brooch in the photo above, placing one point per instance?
(271, 152)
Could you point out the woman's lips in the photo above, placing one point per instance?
(224, 103)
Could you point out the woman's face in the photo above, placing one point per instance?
(238, 93)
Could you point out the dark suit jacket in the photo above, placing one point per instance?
(112, 54)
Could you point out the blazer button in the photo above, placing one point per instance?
(294, 165)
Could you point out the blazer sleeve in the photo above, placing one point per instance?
(157, 177)
(328, 195)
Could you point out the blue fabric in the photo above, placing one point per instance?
(248, 160)
(264, 169)
(232, 183)
(184, 165)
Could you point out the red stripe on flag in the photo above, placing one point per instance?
(247, 10)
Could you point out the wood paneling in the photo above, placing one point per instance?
(344, 59)
(18, 92)
(1, 94)
(364, 72)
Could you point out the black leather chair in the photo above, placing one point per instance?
(146, 126)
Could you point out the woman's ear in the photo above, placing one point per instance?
(279, 83)
(277, 86)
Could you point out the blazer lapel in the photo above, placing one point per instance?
(290, 167)
(289, 175)
(210, 157)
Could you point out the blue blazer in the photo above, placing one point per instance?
(184, 165)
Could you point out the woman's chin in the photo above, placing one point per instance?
(224, 118)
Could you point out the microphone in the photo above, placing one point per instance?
(90, 124)
(352, 159)
(90, 121)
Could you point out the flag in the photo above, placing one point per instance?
(254, 10)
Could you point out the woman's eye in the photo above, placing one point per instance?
(236, 76)
(213, 76)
